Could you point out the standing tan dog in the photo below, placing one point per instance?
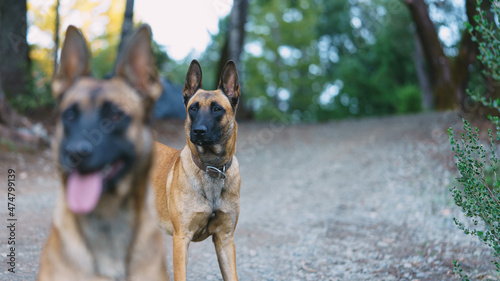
(103, 228)
(197, 189)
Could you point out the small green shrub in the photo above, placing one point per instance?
(478, 191)
(408, 99)
(37, 94)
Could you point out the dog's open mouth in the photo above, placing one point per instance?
(84, 190)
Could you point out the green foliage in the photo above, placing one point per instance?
(379, 77)
(458, 270)
(160, 56)
(478, 195)
(37, 93)
(408, 99)
(102, 62)
(7, 144)
(311, 63)
(487, 35)
(479, 191)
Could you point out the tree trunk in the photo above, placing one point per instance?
(238, 18)
(127, 28)
(17, 129)
(15, 65)
(448, 78)
(15, 59)
(8, 116)
(234, 46)
(438, 64)
(235, 37)
(56, 38)
(5, 109)
(423, 78)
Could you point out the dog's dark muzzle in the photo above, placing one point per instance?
(87, 148)
(202, 136)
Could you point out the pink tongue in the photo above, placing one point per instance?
(83, 191)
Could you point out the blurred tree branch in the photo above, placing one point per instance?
(233, 45)
(127, 28)
(423, 78)
(56, 37)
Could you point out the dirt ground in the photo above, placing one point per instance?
(350, 200)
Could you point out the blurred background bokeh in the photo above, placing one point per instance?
(299, 60)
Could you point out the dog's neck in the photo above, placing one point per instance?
(109, 231)
(212, 155)
(108, 238)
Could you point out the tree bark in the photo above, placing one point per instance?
(14, 68)
(238, 18)
(56, 38)
(5, 109)
(423, 79)
(17, 129)
(15, 65)
(467, 55)
(234, 45)
(448, 77)
(8, 116)
(15, 74)
(235, 37)
(127, 28)
(438, 64)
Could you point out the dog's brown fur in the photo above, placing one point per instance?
(119, 239)
(191, 204)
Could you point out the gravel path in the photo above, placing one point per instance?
(352, 200)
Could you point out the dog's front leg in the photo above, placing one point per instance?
(180, 251)
(226, 255)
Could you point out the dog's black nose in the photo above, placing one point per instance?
(81, 148)
(200, 131)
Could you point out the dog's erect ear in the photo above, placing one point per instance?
(75, 62)
(193, 81)
(229, 83)
(136, 64)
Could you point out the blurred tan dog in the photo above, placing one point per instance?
(197, 189)
(103, 228)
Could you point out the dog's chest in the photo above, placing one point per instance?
(211, 189)
(109, 242)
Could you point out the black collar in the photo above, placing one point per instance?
(214, 172)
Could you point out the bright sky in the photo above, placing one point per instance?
(182, 27)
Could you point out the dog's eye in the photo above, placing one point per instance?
(112, 112)
(217, 108)
(193, 108)
(116, 115)
(70, 114)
